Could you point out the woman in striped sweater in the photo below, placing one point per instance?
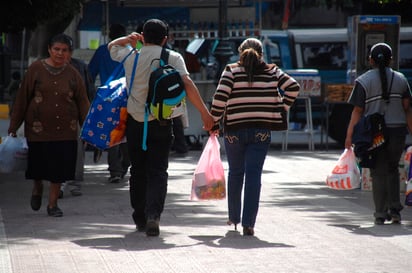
(251, 100)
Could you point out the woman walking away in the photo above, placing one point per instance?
(52, 102)
(385, 91)
(249, 103)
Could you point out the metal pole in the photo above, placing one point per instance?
(23, 47)
(223, 51)
(107, 22)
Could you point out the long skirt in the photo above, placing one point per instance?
(54, 161)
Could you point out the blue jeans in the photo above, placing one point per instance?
(246, 151)
(148, 172)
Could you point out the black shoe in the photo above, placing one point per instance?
(141, 228)
(229, 223)
(396, 217)
(115, 179)
(76, 192)
(97, 154)
(379, 221)
(35, 202)
(248, 231)
(54, 211)
(152, 227)
(178, 155)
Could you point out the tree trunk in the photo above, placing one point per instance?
(39, 39)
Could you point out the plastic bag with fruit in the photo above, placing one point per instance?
(208, 180)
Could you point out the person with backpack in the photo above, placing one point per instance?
(385, 91)
(148, 172)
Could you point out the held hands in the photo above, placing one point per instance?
(208, 121)
(214, 132)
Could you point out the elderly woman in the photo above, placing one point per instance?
(52, 102)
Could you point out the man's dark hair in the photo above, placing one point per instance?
(154, 31)
(116, 31)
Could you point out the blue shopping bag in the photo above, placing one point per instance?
(105, 123)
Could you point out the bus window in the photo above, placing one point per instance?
(405, 50)
(324, 55)
(272, 52)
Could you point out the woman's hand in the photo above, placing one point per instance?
(214, 132)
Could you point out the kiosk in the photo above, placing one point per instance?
(364, 32)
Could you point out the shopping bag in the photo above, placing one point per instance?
(346, 174)
(208, 180)
(13, 154)
(105, 123)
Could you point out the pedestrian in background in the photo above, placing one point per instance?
(52, 102)
(248, 102)
(383, 90)
(102, 65)
(12, 88)
(75, 185)
(149, 176)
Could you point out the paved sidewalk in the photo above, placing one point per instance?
(302, 226)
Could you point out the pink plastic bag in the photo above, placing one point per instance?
(345, 175)
(208, 180)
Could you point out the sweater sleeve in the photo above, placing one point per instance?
(221, 96)
(289, 86)
(23, 97)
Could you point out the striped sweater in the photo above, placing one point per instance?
(258, 104)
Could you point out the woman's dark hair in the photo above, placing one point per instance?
(250, 58)
(62, 38)
(381, 54)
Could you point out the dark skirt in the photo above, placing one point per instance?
(54, 161)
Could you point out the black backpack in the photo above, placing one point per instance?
(166, 96)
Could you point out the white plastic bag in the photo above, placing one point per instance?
(345, 175)
(13, 154)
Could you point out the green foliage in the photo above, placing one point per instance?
(18, 14)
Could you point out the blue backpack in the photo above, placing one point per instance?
(166, 96)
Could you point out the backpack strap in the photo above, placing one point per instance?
(133, 73)
(164, 56)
